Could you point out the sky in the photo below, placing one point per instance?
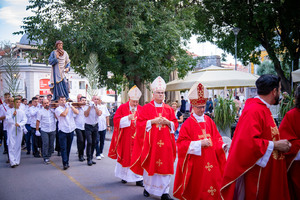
(12, 13)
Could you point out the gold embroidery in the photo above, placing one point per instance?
(159, 162)
(274, 132)
(275, 137)
(211, 190)
(209, 166)
(160, 143)
(133, 135)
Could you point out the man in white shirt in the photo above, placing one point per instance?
(36, 137)
(103, 124)
(4, 106)
(91, 113)
(28, 135)
(66, 126)
(80, 132)
(16, 120)
(46, 121)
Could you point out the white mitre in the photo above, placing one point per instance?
(158, 84)
(135, 93)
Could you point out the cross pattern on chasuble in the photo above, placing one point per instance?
(209, 166)
(212, 191)
(159, 162)
(160, 143)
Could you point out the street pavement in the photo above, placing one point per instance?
(33, 180)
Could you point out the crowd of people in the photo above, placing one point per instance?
(262, 162)
(42, 122)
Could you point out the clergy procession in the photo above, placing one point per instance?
(262, 162)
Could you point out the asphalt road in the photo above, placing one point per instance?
(33, 180)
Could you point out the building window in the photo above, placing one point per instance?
(82, 85)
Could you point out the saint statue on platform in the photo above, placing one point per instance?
(59, 59)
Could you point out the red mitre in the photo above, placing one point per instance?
(198, 94)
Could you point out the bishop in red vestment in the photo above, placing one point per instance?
(154, 149)
(256, 166)
(290, 129)
(201, 158)
(123, 137)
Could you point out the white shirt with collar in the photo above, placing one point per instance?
(47, 120)
(92, 119)
(149, 126)
(102, 118)
(33, 111)
(65, 124)
(80, 119)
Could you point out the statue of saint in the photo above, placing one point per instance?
(59, 59)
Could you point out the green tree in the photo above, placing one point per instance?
(273, 25)
(136, 40)
(267, 67)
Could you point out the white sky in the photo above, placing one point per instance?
(12, 13)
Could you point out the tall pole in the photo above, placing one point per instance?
(236, 32)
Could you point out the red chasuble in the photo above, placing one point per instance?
(154, 151)
(256, 127)
(199, 177)
(123, 138)
(290, 129)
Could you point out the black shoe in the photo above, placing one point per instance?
(28, 152)
(90, 163)
(93, 162)
(146, 194)
(58, 154)
(66, 167)
(81, 158)
(5, 152)
(166, 197)
(13, 166)
(123, 181)
(37, 155)
(139, 183)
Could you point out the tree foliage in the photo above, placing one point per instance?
(136, 40)
(270, 25)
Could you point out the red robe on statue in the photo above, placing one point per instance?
(199, 177)
(290, 129)
(123, 138)
(256, 127)
(154, 151)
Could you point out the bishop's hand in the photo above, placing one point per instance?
(205, 143)
(130, 117)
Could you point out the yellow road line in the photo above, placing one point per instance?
(76, 182)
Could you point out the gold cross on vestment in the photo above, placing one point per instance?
(209, 166)
(159, 162)
(159, 125)
(211, 190)
(160, 143)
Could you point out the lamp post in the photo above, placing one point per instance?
(236, 32)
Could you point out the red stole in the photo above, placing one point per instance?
(199, 177)
(123, 138)
(154, 151)
(290, 129)
(256, 127)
